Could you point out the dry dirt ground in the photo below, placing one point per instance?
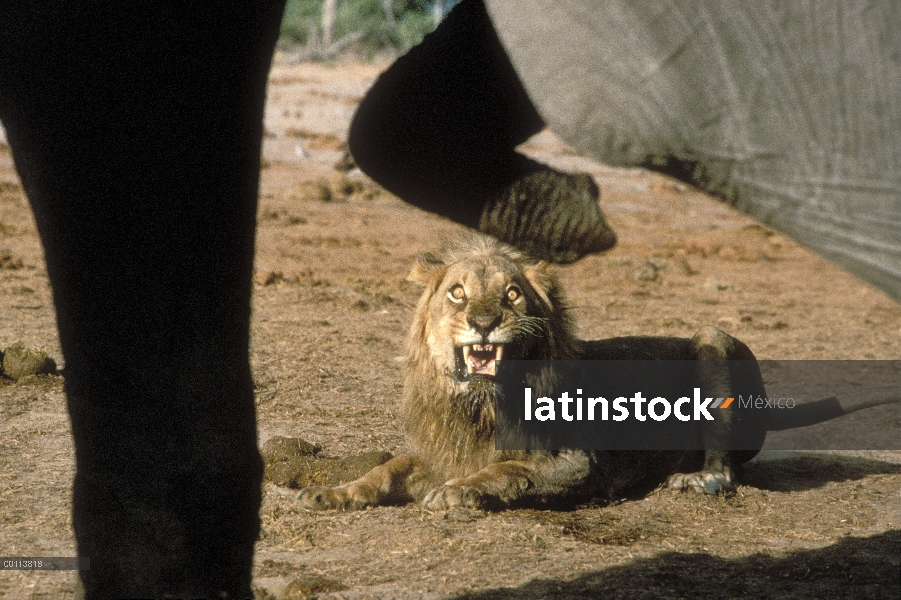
(331, 310)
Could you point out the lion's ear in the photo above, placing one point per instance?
(541, 277)
(427, 269)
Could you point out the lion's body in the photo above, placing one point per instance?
(484, 302)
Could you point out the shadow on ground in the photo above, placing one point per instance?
(797, 471)
(853, 568)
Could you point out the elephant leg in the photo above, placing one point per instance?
(440, 128)
(136, 130)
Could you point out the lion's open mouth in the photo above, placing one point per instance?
(479, 359)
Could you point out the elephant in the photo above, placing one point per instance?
(789, 111)
(136, 129)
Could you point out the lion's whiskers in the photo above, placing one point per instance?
(534, 326)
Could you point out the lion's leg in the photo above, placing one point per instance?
(718, 378)
(503, 483)
(399, 480)
(711, 348)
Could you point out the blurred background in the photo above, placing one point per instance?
(322, 29)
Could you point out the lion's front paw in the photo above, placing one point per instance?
(452, 496)
(705, 482)
(317, 497)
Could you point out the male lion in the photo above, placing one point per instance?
(485, 302)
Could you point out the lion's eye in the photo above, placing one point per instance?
(456, 294)
(513, 293)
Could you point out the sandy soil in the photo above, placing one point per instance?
(331, 311)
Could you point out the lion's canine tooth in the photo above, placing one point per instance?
(499, 351)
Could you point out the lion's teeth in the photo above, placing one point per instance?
(470, 368)
(474, 356)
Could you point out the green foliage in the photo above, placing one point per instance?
(412, 20)
(359, 15)
(299, 16)
(412, 26)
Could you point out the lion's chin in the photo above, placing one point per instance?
(474, 383)
(476, 397)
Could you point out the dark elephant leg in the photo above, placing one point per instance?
(439, 129)
(442, 122)
(136, 129)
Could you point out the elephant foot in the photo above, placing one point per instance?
(549, 215)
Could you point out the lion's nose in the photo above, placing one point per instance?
(484, 323)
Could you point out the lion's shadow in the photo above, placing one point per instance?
(851, 568)
(795, 471)
(776, 471)
(772, 470)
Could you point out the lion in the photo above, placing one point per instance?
(484, 303)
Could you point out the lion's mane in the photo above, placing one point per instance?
(453, 432)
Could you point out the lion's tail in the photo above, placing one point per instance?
(830, 408)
